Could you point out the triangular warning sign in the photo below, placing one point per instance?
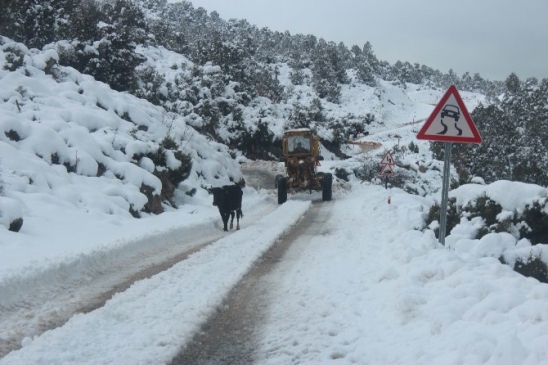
(387, 170)
(387, 159)
(450, 121)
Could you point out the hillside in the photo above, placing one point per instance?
(112, 133)
(120, 122)
(241, 86)
(78, 157)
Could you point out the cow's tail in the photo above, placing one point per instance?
(239, 213)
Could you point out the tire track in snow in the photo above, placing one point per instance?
(32, 306)
(229, 337)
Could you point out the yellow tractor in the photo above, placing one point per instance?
(301, 152)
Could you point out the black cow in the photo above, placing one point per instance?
(229, 201)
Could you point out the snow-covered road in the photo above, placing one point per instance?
(232, 334)
(31, 305)
(181, 299)
(368, 286)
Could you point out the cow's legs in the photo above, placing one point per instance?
(225, 220)
(238, 215)
(232, 220)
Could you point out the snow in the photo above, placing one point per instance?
(370, 289)
(374, 287)
(501, 192)
(148, 322)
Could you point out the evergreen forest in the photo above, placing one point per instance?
(235, 58)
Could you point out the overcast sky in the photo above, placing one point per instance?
(490, 37)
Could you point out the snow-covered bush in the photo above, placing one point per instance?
(507, 220)
(433, 216)
(531, 266)
(11, 213)
(14, 58)
(531, 222)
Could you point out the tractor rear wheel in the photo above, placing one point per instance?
(327, 184)
(282, 190)
(276, 179)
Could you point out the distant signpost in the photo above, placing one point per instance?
(450, 122)
(387, 170)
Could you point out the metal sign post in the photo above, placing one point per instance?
(449, 122)
(445, 191)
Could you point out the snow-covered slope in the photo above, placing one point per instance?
(71, 147)
(72, 141)
(68, 147)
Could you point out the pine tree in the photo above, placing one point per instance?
(87, 17)
(365, 63)
(315, 111)
(324, 75)
(299, 117)
(35, 22)
(370, 57)
(513, 85)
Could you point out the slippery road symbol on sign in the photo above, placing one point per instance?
(451, 111)
(388, 171)
(450, 121)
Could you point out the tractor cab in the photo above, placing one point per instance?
(298, 144)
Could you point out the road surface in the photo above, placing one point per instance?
(231, 336)
(33, 306)
(227, 338)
